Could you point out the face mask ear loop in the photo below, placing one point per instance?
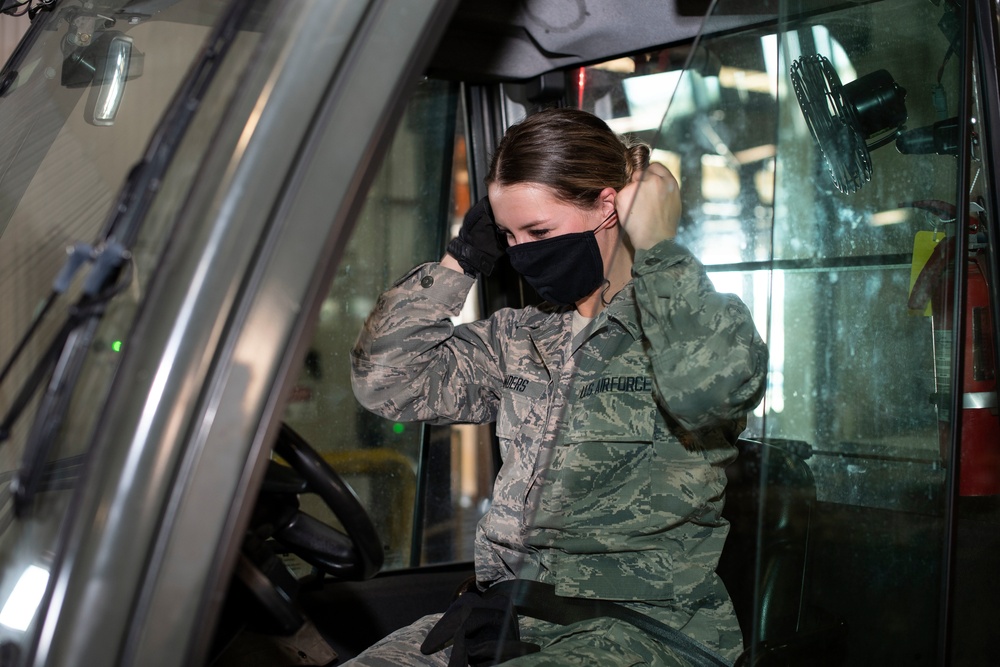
(607, 283)
(604, 222)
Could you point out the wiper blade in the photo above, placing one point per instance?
(77, 256)
(107, 261)
(66, 353)
(51, 410)
(58, 475)
(62, 363)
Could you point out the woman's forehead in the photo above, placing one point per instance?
(522, 203)
(522, 193)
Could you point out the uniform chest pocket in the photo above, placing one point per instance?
(618, 459)
(523, 405)
(598, 480)
(612, 416)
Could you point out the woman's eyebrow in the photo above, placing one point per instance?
(527, 225)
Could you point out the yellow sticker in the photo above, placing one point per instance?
(923, 245)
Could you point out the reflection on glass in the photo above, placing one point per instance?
(23, 601)
(112, 85)
(423, 182)
(61, 179)
(856, 370)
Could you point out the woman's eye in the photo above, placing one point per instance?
(538, 233)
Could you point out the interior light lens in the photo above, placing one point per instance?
(23, 602)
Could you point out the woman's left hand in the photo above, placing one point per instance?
(650, 213)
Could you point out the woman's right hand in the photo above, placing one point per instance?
(477, 247)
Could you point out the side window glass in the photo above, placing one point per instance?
(817, 163)
(421, 188)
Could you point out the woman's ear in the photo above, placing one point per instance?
(606, 200)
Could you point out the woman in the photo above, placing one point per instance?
(617, 409)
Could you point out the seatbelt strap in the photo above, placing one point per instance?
(538, 600)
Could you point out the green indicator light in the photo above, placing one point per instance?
(398, 428)
(116, 346)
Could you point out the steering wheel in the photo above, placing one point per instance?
(354, 554)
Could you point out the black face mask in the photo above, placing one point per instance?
(562, 269)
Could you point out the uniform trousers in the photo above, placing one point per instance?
(596, 642)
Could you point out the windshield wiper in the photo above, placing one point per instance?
(63, 359)
(62, 356)
(106, 261)
(58, 475)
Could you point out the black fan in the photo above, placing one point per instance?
(842, 117)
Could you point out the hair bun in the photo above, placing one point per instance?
(636, 158)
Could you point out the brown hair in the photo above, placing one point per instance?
(571, 151)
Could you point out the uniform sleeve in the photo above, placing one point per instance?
(411, 363)
(709, 362)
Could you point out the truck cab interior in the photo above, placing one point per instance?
(242, 181)
(844, 464)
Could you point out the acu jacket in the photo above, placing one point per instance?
(614, 443)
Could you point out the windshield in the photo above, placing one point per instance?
(84, 93)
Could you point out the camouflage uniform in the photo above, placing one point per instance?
(614, 444)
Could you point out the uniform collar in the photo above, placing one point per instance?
(623, 310)
(549, 333)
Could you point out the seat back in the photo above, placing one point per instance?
(770, 498)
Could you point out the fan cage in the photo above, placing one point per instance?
(832, 122)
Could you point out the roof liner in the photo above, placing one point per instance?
(520, 39)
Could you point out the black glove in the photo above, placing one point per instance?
(482, 631)
(477, 246)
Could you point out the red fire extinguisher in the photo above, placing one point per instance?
(979, 472)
